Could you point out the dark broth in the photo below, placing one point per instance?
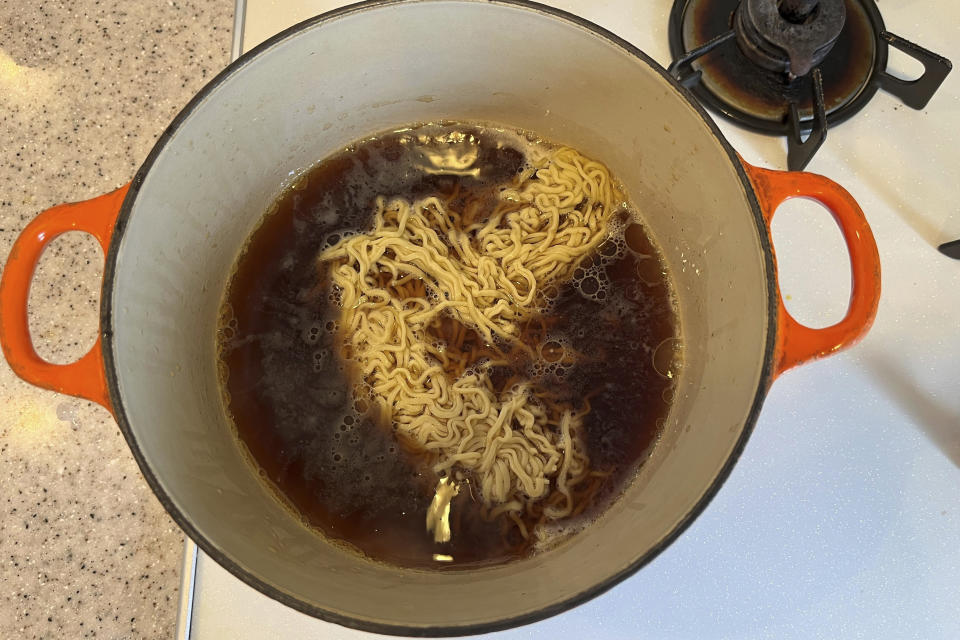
(331, 458)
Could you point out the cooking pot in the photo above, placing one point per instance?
(173, 234)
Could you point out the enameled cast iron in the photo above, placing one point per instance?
(172, 235)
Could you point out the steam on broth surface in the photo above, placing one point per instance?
(438, 346)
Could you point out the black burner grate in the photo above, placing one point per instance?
(707, 42)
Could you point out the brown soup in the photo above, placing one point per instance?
(331, 458)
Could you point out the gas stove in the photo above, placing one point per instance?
(842, 517)
(792, 66)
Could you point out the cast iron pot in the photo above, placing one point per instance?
(173, 234)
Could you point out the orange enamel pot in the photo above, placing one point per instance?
(173, 234)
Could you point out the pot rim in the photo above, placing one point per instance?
(222, 558)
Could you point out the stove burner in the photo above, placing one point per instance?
(792, 66)
(791, 38)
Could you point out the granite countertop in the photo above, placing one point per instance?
(86, 87)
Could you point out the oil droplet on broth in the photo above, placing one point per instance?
(666, 358)
(552, 351)
(650, 271)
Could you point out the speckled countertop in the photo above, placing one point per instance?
(86, 87)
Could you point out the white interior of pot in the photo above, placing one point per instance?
(359, 74)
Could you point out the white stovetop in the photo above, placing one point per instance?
(842, 518)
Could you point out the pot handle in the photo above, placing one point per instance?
(84, 378)
(797, 343)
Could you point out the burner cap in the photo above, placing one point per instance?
(759, 95)
(789, 36)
